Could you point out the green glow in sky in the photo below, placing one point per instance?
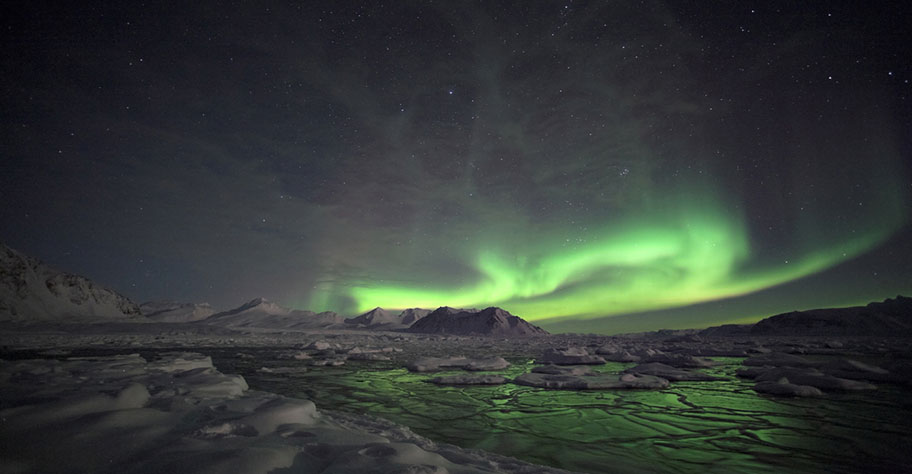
(689, 252)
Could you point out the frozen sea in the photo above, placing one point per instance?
(721, 426)
(717, 426)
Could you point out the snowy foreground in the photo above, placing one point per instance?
(665, 402)
(179, 414)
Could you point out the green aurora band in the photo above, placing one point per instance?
(691, 256)
(684, 251)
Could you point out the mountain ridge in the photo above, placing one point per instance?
(265, 314)
(892, 316)
(176, 312)
(30, 290)
(379, 318)
(491, 321)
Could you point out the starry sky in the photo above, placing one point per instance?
(591, 166)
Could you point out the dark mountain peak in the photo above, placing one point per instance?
(495, 311)
(255, 302)
(491, 321)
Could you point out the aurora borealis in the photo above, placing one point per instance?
(669, 261)
(571, 162)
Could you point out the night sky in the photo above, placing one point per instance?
(670, 164)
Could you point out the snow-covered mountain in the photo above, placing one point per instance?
(33, 291)
(487, 322)
(262, 313)
(173, 312)
(379, 318)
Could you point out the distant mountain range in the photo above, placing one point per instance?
(890, 317)
(262, 313)
(379, 318)
(173, 312)
(33, 291)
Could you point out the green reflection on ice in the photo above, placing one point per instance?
(690, 427)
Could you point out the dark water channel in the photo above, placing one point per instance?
(689, 427)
